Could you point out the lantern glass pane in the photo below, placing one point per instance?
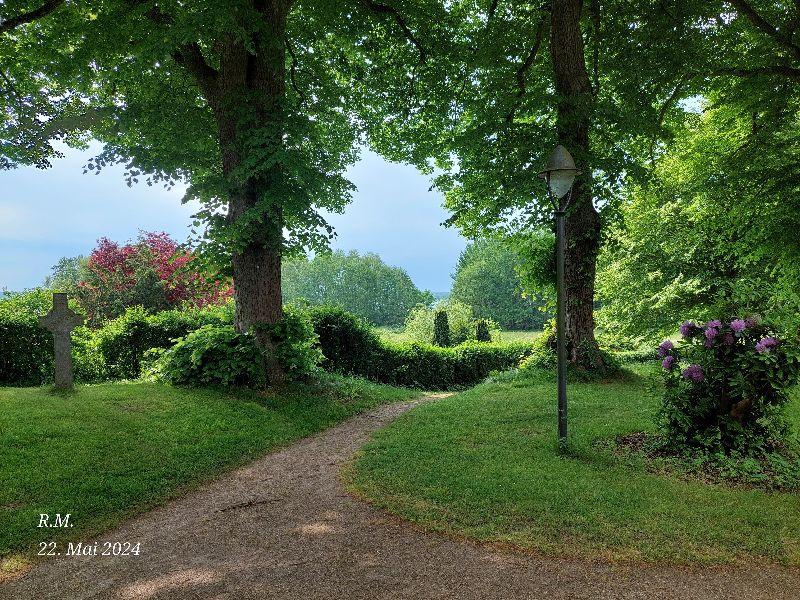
(561, 182)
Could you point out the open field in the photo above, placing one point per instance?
(484, 464)
(398, 335)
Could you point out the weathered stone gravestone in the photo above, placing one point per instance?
(61, 321)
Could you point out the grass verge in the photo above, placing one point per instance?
(110, 451)
(484, 464)
(399, 336)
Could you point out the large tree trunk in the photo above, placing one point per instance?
(257, 284)
(249, 98)
(574, 112)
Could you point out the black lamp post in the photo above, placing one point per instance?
(559, 174)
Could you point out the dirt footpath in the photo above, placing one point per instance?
(283, 528)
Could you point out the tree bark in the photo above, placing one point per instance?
(573, 121)
(247, 97)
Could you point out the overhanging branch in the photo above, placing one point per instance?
(293, 71)
(492, 10)
(777, 70)
(384, 9)
(191, 58)
(761, 23)
(31, 16)
(525, 66)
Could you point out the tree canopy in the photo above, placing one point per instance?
(247, 101)
(713, 232)
(487, 279)
(260, 106)
(361, 284)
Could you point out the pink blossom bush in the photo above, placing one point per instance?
(153, 272)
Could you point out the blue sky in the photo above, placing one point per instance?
(45, 215)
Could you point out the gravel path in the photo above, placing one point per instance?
(282, 528)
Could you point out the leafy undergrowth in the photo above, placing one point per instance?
(107, 452)
(778, 470)
(485, 464)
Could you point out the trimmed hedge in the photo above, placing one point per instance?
(349, 344)
(643, 355)
(351, 347)
(26, 351)
(435, 368)
(123, 341)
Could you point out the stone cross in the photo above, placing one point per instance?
(61, 321)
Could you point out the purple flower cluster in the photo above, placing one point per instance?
(711, 332)
(765, 344)
(688, 328)
(693, 373)
(738, 325)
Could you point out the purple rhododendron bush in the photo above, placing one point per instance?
(726, 386)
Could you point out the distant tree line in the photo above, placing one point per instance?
(361, 284)
(487, 278)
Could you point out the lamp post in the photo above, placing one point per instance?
(559, 174)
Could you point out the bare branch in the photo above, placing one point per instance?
(293, 70)
(676, 92)
(383, 9)
(595, 10)
(189, 55)
(28, 17)
(492, 10)
(670, 101)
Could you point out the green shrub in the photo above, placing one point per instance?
(441, 329)
(219, 355)
(544, 357)
(26, 350)
(482, 331)
(726, 386)
(123, 341)
(87, 360)
(543, 350)
(296, 344)
(348, 344)
(460, 319)
(211, 355)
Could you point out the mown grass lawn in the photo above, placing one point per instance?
(484, 464)
(112, 450)
(400, 336)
